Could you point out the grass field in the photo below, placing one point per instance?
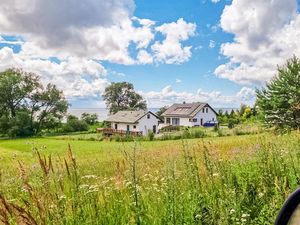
(214, 180)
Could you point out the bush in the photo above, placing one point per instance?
(150, 136)
(74, 124)
(19, 126)
(170, 128)
(232, 122)
(186, 134)
(216, 127)
(198, 134)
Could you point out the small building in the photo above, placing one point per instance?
(190, 115)
(134, 122)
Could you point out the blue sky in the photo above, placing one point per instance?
(216, 51)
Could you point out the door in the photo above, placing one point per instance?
(201, 123)
(127, 128)
(175, 121)
(116, 126)
(154, 129)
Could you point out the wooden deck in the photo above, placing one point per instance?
(110, 132)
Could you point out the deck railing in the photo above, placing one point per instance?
(111, 131)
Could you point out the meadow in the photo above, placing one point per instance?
(212, 180)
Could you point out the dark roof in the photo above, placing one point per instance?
(185, 109)
(128, 116)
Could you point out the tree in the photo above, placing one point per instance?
(16, 88)
(121, 96)
(47, 105)
(90, 119)
(23, 93)
(279, 101)
(161, 111)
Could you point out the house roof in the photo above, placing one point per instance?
(128, 116)
(185, 109)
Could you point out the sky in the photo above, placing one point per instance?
(215, 51)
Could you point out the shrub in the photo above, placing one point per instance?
(170, 128)
(74, 124)
(198, 134)
(216, 127)
(231, 123)
(150, 136)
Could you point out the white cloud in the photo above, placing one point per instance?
(212, 44)
(57, 22)
(171, 50)
(105, 30)
(75, 76)
(168, 96)
(266, 34)
(144, 57)
(215, 1)
(178, 80)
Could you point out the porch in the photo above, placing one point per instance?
(111, 131)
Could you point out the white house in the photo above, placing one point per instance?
(190, 114)
(134, 121)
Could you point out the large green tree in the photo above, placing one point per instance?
(26, 106)
(279, 101)
(121, 96)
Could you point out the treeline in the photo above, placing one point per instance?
(28, 108)
(234, 117)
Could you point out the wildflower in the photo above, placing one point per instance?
(232, 211)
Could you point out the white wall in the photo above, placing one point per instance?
(206, 117)
(123, 126)
(144, 124)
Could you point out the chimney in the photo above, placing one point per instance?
(183, 102)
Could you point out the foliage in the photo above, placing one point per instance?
(150, 135)
(161, 111)
(22, 93)
(74, 124)
(121, 96)
(90, 119)
(279, 102)
(170, 128)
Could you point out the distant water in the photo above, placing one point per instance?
(101, 112)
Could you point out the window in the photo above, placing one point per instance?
(128, 127)
(168, 121)
(206, 110)
(116, 126)
(175, 121)
(134, 126)
(148, 116)
(213, 119)
(193, 120)
(201, 122)
(203, 110)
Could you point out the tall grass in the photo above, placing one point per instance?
(198, 185)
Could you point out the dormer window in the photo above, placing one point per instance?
(148, 116)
